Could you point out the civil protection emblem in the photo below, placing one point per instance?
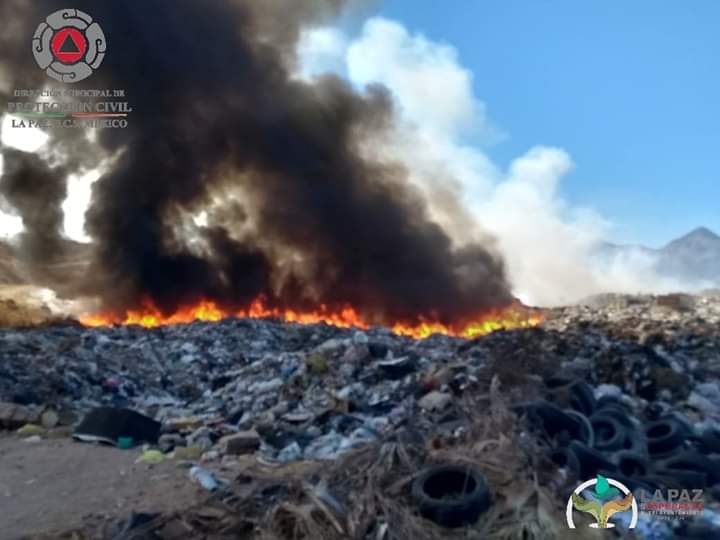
(69, 45)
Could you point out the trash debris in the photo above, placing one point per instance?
(397, 368)
(329, 505)
(617, 388)
(185, 423)
(49, 419)
(126, 529)
(205, 478)
(152, 457)
(316, 363)
(107, 424)
(14, 416)
(244, 442)
(435, 401)
(125, 443)
(190, 453)
(170, 441)
(28, 430)
(291, 452)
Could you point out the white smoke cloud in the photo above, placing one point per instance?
(27, 139)
(79, 194)
(550, 247)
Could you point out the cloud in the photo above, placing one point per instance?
(550, 247)
(79, 190)
(322, 50)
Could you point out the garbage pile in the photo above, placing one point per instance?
(347, 421)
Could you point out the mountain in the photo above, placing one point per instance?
(692, 258)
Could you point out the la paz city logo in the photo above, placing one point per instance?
(609, 497)
(69, 45)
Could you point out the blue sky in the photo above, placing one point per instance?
(631, 90)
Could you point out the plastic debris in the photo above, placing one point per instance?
(189, 453)
(152, 457)
(28, 430)
(205, 478)
(125, 443)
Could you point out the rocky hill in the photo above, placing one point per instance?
(692, 258)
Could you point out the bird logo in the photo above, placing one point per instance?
(608, 498)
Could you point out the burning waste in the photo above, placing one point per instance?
(510, 318)
(240, 201)
(238, 188)
(259, 410)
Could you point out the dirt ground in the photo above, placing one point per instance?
(54, 485)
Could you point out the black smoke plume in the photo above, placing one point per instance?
(295, 213)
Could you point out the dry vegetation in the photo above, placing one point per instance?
(366, 494)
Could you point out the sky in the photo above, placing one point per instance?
(630, 90)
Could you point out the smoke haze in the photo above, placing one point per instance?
(551, 248)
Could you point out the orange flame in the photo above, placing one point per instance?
(149, 316)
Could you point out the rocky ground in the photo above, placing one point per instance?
(317, 432)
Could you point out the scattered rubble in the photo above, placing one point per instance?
(287, 395)
(243, 442)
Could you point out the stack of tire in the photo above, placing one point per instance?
(591, 437)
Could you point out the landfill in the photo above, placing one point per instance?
(313, 431)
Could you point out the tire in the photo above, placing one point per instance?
(633, 464)
(693, 461)
(554, 420)
(618, 412)
(635, 441)
(591, 461)
(580, 394)
(585, 433)
(610, 435)
(710, 440)
(451, 495)
(604, 401)
(564, 458)
(664, 435)
(698, 530)
(679, 479)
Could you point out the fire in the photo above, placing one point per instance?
(149, 316)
